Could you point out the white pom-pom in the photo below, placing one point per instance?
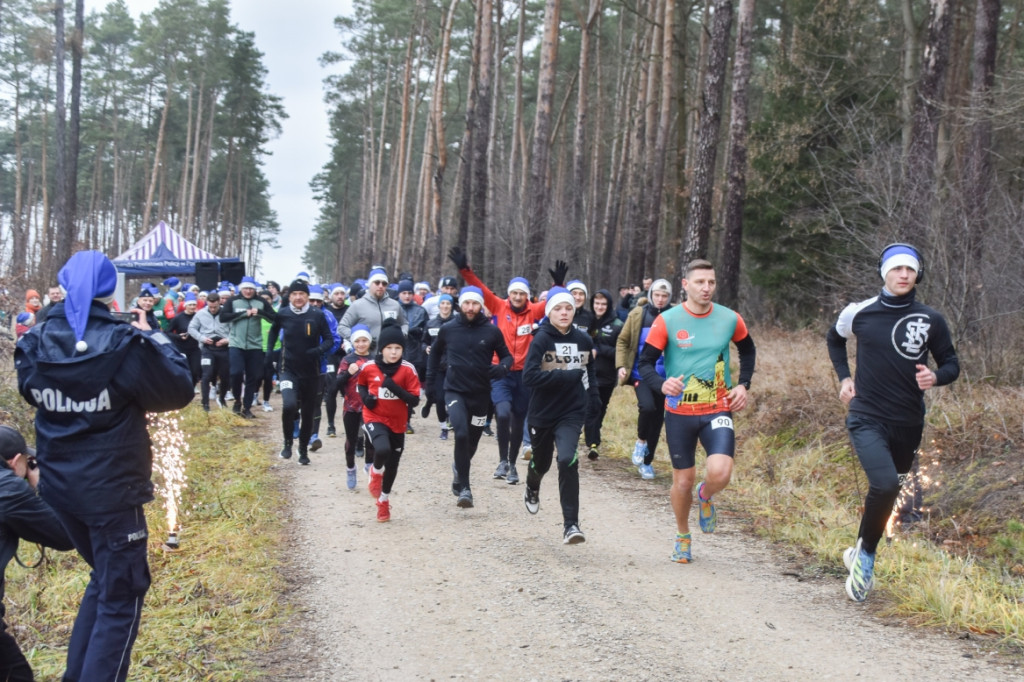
(81, 346)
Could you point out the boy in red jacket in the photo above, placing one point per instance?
(388, 387)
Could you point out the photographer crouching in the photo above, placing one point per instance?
(92, 379)
(23, 516)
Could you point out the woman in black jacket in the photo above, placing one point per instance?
(604, 330)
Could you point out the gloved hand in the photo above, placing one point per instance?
(370, 401)
(313, 353)
(458, 256)
(575, 375)
(559, 273)
(497, 371)
(390, 384)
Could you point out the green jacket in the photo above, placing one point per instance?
(246, 332)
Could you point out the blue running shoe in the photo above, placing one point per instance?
(681, 553)
(707, 513)
(639, 453)
(351, 476)
(646, 472)
(862, 572)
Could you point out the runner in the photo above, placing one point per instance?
(183, 341)
(468, 343)
(212, 335)
(337, 307)
(352, 417)
(435, 390)
(693, 342)
(560, 371)
(895, 334)
(416, 317)
(389, 388)
(650, 403)
(515, 317)
(604, 331)
(583, 317)
(305, 337)
(373, 308)
(242, 314)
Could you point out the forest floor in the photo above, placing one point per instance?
(492, 593)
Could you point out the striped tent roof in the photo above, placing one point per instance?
(149, 246)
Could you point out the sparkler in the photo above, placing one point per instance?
(169, 451)
(924, 478)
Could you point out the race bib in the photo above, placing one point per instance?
(330, 369)
(434, 331)
(385, 394)
(390, 315)
(285, 385)
(722, 422)
(206, 362)
(524, 330)
(479, 421)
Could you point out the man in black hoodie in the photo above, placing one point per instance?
(306, 336)
(560, 370)
(468, 343)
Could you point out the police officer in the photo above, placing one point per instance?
(92, 379)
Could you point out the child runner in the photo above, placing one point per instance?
(388, 387)
(352, 417)
(564, 382)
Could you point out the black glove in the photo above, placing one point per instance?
(559, 273)
(370, 401)
(313, 353)
(574, 375)
(498, 371)
(390, 384)
(458, 256)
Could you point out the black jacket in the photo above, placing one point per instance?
(91, 431)
(561, 374)
(469, 347)
(307, 337)
(23, 515)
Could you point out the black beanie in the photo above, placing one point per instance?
(405, 285)
(390, 333)
(298, 285)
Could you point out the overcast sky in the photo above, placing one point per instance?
(292, 34)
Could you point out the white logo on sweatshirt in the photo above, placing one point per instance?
(52, 400)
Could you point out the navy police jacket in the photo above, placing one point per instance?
(92, 443)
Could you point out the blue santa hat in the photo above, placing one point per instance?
(191, 298)
(471, 293)
(248, 282)
(172, 283)
(87, 275)
(519, 284)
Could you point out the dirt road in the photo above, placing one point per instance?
(491, 593)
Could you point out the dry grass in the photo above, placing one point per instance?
(214, 604)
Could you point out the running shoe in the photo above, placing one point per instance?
(456, 485)
(206, 407)
(315, 443)
(351, 479)
(513, 476)
(303, 458)
(526, 454)
(639, 453)
(267, 407)
(359, 450)
(444, 433)
(487, 431)
(532, 499)
(286, 451)
(862, 572)
(573, 535)
(425, 412)
(593, 454)
(247, 414)
(229, 396)
(681, 553)
(332, 432)
(465, 499)
(502, 470)
(383, 511)
(646, 472)
(409, 430)
(707, 513)
(220, 402)
(237, 408)
(366, 468)
(376, 483)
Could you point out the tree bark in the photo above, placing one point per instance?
(698, 220)
(660, 146)
(736, 174)
(539, 189)
(61, 248)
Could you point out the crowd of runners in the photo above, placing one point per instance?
(540, 364)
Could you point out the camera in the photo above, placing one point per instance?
(31, 462)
